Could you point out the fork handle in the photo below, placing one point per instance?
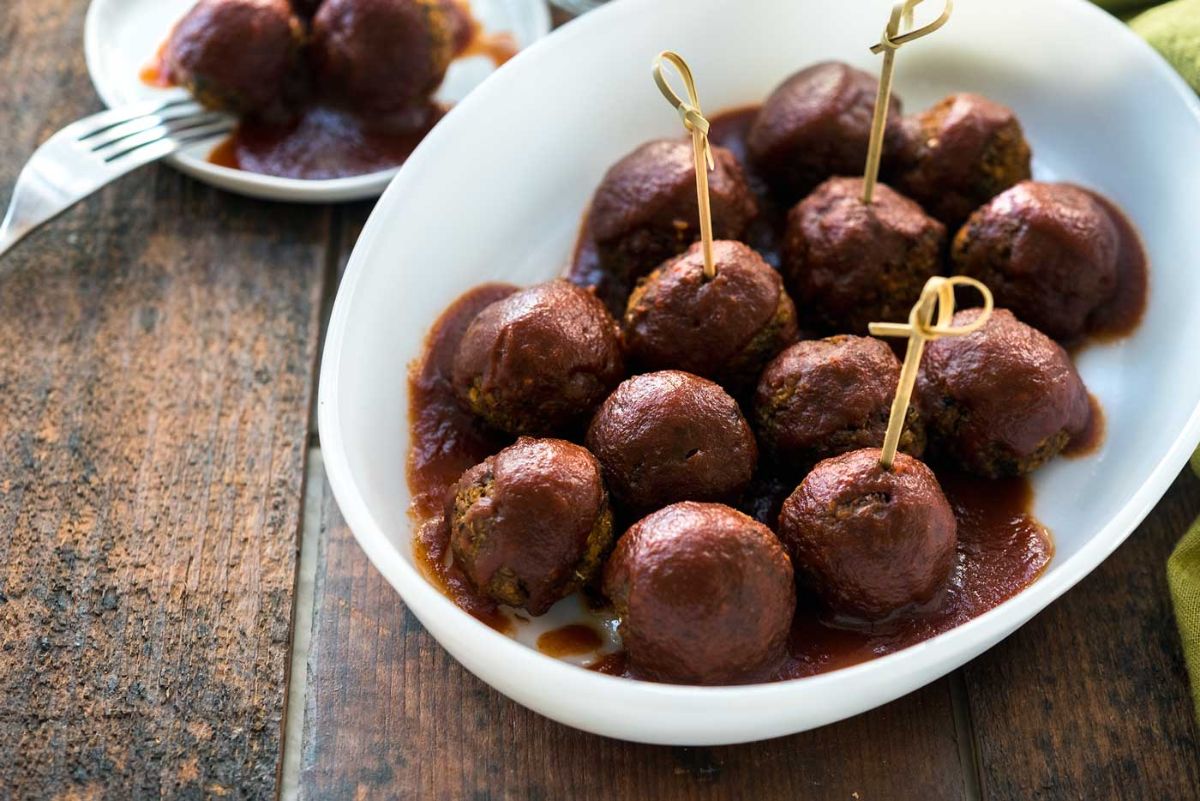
(11, 233)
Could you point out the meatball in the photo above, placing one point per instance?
(539, 359)
(960, 154)
(705, 595)
(1003, 400)
(529, 525)
(823, 397)
(724, 328)
(381, 56)
(849, 263)
(1049, 253)
(672, 436)
(645, 210)
(235, 55)
(868, 541)
(818, 124)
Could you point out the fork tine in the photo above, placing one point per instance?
(152, 150)
(163, 130)
(115, 133)
(102, 121)
(173, 119)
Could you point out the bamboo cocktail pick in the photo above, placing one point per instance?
(696, 124)
(938, 295)
(888, 45)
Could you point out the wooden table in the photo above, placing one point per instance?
(160, 346)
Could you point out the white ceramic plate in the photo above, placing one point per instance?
(122, 36)
(517, 163)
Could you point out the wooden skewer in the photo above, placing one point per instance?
(697, 125)
(888, 45)
(938, 295)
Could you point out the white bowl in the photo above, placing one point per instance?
(122, 36)
(496, 193)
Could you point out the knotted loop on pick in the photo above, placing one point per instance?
(937, 299)
(892, 39)
(697, 125)
(938, 295)
(689, 110)
(889, 43)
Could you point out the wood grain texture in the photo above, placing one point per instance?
(158, 349)
(1090, 699)
(390, 715)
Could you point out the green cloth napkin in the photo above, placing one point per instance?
(1183, 577)
(1173, 29)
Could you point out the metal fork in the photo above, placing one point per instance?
(95, 151)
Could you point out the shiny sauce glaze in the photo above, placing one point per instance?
(1117, 319)
(322, 141)
(1002, 548)
(446, 440)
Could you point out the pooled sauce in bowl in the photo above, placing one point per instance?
(1001, 547)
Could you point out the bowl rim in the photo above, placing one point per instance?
(423, 598)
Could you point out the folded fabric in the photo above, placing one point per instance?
(1183, 578)
(1174, 30)
(1122, 6)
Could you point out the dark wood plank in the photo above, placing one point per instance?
(390, 715)
(158, 348)
(1090, 699)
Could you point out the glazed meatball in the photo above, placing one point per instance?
(960, 154)
(867, 541)
(724, 328)
(645, 210)
(235, 55)
(849, 263)
(529, 525)
(1049, 253)
(381, 56)
(823, 397)
(1003, 400)
(539, 359)
(817, 124)
(705, 595)
(672, 436)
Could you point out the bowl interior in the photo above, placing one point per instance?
(497, 192)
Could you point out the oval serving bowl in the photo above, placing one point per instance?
(496, 194)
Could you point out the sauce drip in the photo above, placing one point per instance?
(571, 640)
(496, 47)
(1089, 440)
(1121, 315)
(446, 440)
(155, 73)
